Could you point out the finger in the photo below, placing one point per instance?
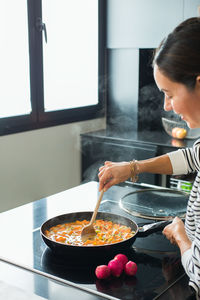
(106, 174)
(104, 185)
(104, 179)
(101, 168)
(107, 180)
(108, 184)
(176, 219)
(101, 184)
(172, 240)
(107, 162)
(167, 228)
(166, 232)
(100, 174)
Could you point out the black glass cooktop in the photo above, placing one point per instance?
(158, 261)
(148, 283)
(154, 259)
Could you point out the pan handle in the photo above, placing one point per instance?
(147, 229)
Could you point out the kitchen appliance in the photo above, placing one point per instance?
(158, 261)
(152, 253)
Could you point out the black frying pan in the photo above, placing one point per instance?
(94, 250)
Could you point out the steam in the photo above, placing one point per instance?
(150, 107)
(91, 173)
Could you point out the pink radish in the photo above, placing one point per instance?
(116, 267)
(102, 272)
(130, 268)
(122, 258)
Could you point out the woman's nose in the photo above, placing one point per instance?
(167, 104)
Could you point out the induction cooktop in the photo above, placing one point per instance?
(154, 255)
(159, 263)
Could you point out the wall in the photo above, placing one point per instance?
(134, 25)
(38, 163)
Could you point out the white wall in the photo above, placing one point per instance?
(38, 163)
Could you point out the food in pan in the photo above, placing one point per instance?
(107, 232)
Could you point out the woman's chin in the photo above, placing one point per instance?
(193, 125)
(188, 124)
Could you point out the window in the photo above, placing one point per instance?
(14, 71)
(70, 59)
(52, 62)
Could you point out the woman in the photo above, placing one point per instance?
(176, 68)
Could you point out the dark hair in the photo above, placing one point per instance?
(178, 55)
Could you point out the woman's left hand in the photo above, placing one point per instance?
(175, 232)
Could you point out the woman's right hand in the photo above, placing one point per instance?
(112, 173)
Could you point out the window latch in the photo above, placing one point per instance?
(41, 27)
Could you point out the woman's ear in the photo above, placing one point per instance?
(197, 85)
(198, 81)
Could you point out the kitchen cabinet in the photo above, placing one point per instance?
(141, 23)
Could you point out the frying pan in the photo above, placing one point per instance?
(100, 249)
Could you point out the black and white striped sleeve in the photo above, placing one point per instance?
(182, 161)
(191, 263)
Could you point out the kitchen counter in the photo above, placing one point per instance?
(157, 138)
(115, 145)
(27, 264)
(17, 283)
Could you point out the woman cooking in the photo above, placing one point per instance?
(176, 67)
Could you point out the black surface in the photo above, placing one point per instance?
(157, 138)
(25, 247)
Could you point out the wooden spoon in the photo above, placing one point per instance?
(88, 232)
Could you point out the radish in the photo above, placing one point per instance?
(102, 272)
(122, 258)
(130, 268)
(116, 267)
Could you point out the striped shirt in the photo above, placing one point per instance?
(186, 161)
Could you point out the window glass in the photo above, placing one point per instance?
(14, 59)
(70, 55)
